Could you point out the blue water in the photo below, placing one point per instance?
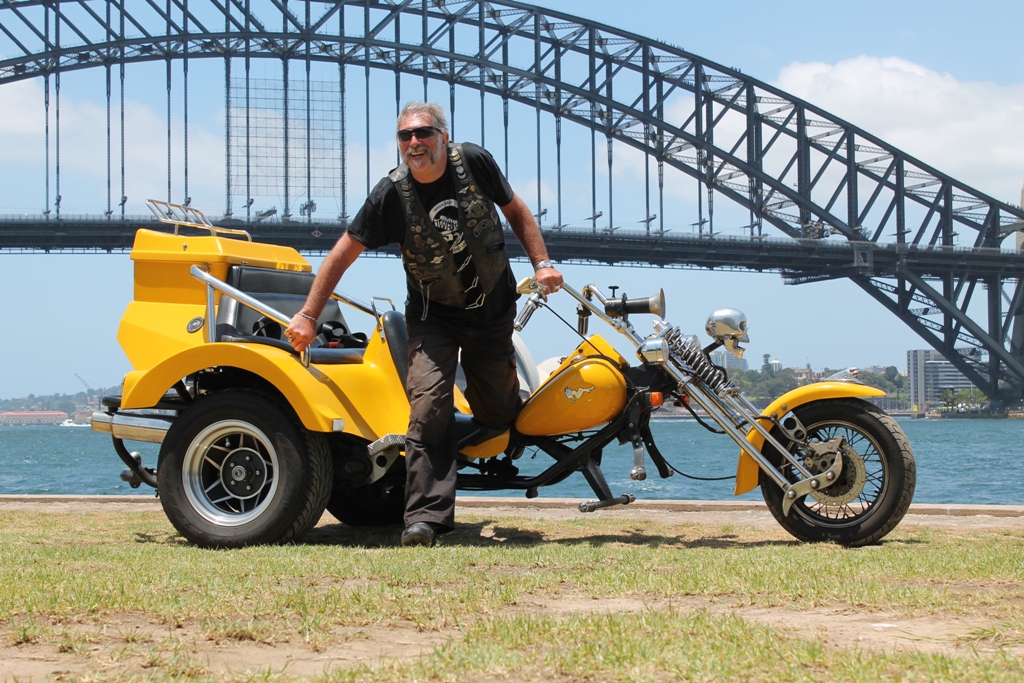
(958, 461)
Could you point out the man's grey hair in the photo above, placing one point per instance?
(434, 111)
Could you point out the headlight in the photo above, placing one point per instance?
(653, 351)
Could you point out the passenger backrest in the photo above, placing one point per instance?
(283, 290)
(397, 335)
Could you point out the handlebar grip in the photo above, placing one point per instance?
(528, 309)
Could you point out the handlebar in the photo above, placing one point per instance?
(524, 315)
(531, 286)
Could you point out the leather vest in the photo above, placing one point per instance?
(425, 252)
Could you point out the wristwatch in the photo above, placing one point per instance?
(543, 264)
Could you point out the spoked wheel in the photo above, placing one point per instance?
(234, 470)
(874, 488)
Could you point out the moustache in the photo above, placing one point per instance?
(431, 154)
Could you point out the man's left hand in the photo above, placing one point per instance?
(550, 278)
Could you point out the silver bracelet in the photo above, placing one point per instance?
(543, 264)
(309, 318)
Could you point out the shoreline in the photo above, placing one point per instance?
(62, 502)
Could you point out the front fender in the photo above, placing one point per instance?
(316, 397)
(746, 468)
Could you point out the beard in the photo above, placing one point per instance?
(431, 154)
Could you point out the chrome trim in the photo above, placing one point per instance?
(180, 215)
(383, 452)
(132, 426)
(377, 316)
(847, 375)
(211, 316)
(653, 351)
(354, 303)
(728, 327)
(241, 297)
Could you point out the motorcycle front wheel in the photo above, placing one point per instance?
(874, 489)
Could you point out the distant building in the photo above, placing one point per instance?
(33, 417)
(805, 374)
(724, 359)
(775, 365)
(928, 373)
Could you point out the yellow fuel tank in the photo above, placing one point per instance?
(584, 392)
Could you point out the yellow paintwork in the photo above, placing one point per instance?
(461, 404)
(153, 334)
(489, 448)
(162, 261)
(318, 395)
(587, 389)
(747, 469)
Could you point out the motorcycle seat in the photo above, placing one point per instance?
(469, 432)
(285, 291)
(317, 356)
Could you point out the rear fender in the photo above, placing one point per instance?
(371, 404)
(746, 468)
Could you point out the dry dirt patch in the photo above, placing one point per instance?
(123, 644)
(836, 627)
(128, 644)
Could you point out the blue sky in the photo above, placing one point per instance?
(943, 80)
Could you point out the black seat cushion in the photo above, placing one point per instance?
(469, 432)
(317, 356)
(397, 336)
(282, 290)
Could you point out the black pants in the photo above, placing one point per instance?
(489, 363)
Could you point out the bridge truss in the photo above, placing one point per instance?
(825, 199)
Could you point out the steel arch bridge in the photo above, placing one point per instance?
(825, 199)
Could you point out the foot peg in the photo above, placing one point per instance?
(592, 505)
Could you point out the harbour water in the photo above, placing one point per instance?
(958, 461)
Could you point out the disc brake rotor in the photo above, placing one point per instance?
(850, 483)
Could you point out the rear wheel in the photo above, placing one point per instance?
(874, 489)
(235, 470)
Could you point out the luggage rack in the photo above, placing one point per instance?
(180, 216)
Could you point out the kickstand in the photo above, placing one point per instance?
(595, 477)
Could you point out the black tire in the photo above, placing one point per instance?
(874, 489)
(378, 504)
(279, 479)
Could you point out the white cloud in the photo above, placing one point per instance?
(83, 153)
(973, 131)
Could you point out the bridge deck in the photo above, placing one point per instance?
(799, 259)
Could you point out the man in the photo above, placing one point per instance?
(439, 206)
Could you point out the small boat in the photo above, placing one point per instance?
(71, 423)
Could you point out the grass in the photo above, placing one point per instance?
(122, 597)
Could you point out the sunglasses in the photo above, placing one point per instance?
(421, 133)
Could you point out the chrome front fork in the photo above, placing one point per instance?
(735, 414)
(738, 417)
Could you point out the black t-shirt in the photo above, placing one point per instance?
(381, 221)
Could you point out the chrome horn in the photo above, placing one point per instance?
(728, 327)
(623, 307)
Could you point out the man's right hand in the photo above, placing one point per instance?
(301, 332)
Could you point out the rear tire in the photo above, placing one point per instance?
(236, 470)
(874, 489)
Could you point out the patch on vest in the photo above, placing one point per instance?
(445, 217)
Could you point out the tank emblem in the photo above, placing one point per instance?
(576, 394)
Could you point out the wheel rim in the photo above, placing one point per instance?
(229, 473)
(860, 486)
